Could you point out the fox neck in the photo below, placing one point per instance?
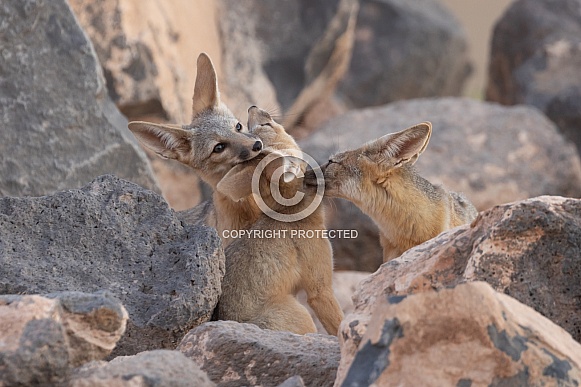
(314, 218)
(407, 208)
(231, 215)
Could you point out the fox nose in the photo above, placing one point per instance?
(257, 146)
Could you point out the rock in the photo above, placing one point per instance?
(295, 381)
(284, 47)
(468, 335)
(405, 50)
(536, 59)
(44, 337)
(326, 66)
(494, 154)
(235, 354)
(94, 323)
(60, 129)
(115, 235)
(528, 250)
(152, 368)
(563, 110)
(148, 51)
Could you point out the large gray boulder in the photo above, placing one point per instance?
(528, 250)
(44, 337)
(59, 128)
(469, 335)
(235, 354)
(286, 44)
(405, 49)
(536, 59)
(148, 52)
(114, 235)
(401, 50)
(494, 154)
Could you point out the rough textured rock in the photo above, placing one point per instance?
(148, 51)
(494, 154)
(146, 369)
(44, 337)
(469, 335)
(295, 381)
(536, 60)
(403, 50)
(60, 129)
(114, 235)
(235, 354)
(528, 250)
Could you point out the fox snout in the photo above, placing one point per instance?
(257, 147)
(251, 146)
(246, 153)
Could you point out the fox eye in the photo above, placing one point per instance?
(219, 148)
(238, 127)
(267, 124)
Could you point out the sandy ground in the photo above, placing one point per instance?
(478, 19)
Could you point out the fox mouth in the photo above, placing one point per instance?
(249, 159)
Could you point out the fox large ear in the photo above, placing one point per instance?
(168, 141)
(237, 183)
(402, 147)
(206, 93)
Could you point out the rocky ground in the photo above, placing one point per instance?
(103, 283)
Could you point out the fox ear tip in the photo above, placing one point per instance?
(203, 57)
(136, 125)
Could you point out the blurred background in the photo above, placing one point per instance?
(269, 53)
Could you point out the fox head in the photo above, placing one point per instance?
(283, 165)
(215, 140)
(354, 174)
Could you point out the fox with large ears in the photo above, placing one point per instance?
(263, 275)
(213, 142)
(380, 179)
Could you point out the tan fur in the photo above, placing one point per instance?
(194, 144)
(263, 275)
(380, 179)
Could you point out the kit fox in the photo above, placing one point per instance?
(263, 274)
(213, 143)
(380, 179)
(238, 210)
